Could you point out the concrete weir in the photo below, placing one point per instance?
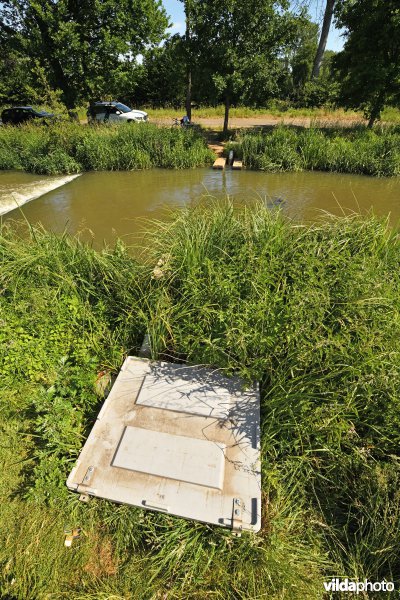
(178, 439)
(219, 163)
(14, 197)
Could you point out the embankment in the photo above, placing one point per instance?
(67, 148)
(343, 150)
(310, 312)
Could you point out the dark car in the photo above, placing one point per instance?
(22, 114)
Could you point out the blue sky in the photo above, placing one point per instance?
(174, 9)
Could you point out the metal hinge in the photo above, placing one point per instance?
(237, 514)
(145, 348)
(84, 487)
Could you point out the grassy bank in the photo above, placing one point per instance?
(243, 112)
(71, 148)
(351, 150)
(389, 114)
(313, 313)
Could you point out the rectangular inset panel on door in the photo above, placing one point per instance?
(173, 456)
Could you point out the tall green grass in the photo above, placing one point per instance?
(350, 150)
(311, 312)
(70, 148)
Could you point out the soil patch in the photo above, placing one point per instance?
(102, 561)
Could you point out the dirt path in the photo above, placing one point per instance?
(217, 148)
(265, 121)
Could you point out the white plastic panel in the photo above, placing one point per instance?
(173, 392)
(178, 439)
(172, 456)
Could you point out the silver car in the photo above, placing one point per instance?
(114, 112)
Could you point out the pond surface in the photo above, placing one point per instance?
(112, 204)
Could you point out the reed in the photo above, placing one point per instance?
(344, 150)
(71, 148)
(310, 311)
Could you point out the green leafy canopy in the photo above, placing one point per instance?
(85, 44)
(369, 65)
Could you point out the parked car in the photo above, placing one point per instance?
(114, 112)
(22, 114)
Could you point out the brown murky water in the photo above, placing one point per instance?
(111, 204)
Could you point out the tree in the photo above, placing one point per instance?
(237, 39)
(302, 50)
(163, 78)
(83, 45)
(369, 65)
(188, 55)
(326, 25)
(322, 91)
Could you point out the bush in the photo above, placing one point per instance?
(317, 93)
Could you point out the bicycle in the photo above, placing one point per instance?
(181, 123)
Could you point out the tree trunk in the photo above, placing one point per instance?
(226, 116)
(323, 38)
(188, 61)
(189, 94)
(376, 110)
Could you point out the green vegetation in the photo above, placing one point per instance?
(311, 312)
(391, 114)
(70, 148)
(74, 50)
(251, 54)
(369, 65)
(221, 40)
(345, 150)
(278, 109)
